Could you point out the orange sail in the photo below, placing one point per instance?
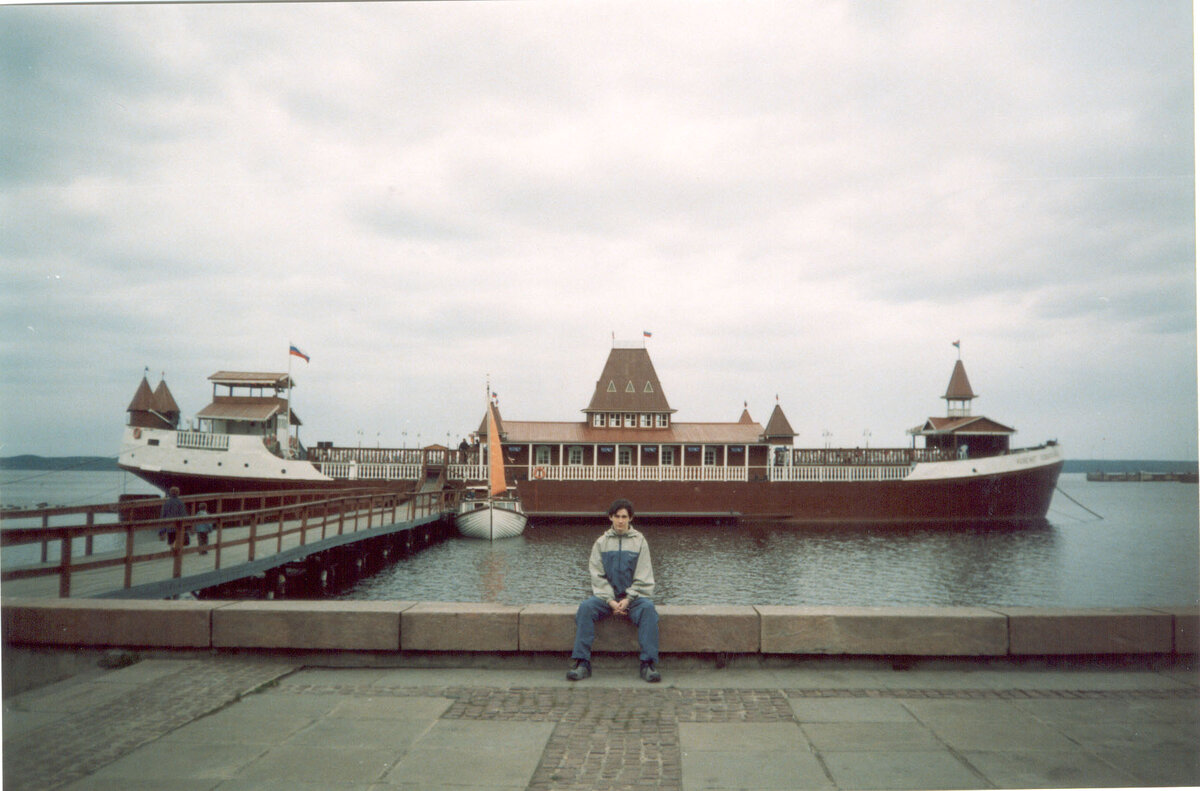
(495, 455)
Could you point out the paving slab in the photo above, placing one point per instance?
(914, 769)
(1048, 769)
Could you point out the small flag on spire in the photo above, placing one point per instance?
(293, 351)
(645, 334)
(957, 344)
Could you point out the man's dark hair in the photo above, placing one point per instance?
(618, 505)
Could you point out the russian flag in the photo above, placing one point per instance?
(645, 334)
(297, 353)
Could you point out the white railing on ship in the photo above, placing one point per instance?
(350, 471)
(847, 473)
(201, 440)
(629, 472)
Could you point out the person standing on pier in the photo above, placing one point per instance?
(173, 508)
(203, 528)
(622, 584)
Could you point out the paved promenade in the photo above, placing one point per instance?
(197, 722)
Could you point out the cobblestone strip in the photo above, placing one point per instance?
(80, 744)
(1000, 694)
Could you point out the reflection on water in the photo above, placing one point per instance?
(1143, 553)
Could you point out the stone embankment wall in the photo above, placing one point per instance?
(400, 626)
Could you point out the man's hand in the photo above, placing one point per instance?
(619, 607)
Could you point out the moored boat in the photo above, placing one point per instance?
(247, 439)
(630, 444)
(497, 514)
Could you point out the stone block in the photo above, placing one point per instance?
(129, 623)
(909, 631)
(312, 625)
(1186, 628)
(1040, 631)
(459, 626)
(681, 629)
(706, 629)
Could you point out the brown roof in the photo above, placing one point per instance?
(628, 383)
(778, 425)
(745, 418)
(963, 425)
(959, 388)
(522, 431)
(164, 402)
(143, 399)
(249, 379)
(245, 408)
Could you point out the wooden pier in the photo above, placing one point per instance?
(272, 544)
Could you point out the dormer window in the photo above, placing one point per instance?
(629, 387)
(647, 388)
(612, 386)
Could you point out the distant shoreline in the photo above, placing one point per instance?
(60, 463)
(109, 464)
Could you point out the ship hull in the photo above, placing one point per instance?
(490, 522)
(928, 494)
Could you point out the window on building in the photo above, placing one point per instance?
(645, 419)
(710, 457)
(667, 456)
(598, 419)
(660, 421)
(630, 420)
(542, 455)
(614, 420)
(624, 455)
(612, 386)
(647, 388)
(575, 456)
(629, 387)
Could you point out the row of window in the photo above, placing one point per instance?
(630, 420)
(541, 456)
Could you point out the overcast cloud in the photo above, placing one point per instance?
(806, 200)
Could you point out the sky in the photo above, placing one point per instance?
(804, 203)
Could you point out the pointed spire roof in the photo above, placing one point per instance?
(164, 402)
(959, 388)
(778, 425)
(745, 418)
(628, 383)
(143, 399)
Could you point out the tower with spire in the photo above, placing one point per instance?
(960, 432)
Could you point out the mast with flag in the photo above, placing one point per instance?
(285, 441)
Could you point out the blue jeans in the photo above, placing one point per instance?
(641, 612)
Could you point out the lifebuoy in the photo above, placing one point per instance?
(539, 472)
(137, 433)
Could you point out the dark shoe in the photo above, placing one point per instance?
(582, 670)
(650, 673)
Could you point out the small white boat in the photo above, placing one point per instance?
(498, 514)
(490, 519)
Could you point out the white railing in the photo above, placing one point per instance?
(848, 473)
(630, 472)
(201, 440)
(465, 472)
(351, 471)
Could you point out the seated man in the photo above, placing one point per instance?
(622, 584)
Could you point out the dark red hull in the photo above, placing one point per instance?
(1012, 496)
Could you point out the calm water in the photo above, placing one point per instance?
(1144, 552)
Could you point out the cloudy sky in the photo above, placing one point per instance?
(808, 201)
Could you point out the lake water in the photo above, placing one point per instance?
(1144, 552)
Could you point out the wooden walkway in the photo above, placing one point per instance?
(243, 544)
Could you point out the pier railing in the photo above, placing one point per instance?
(78, 542)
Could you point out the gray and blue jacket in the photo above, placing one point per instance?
(620, 566)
